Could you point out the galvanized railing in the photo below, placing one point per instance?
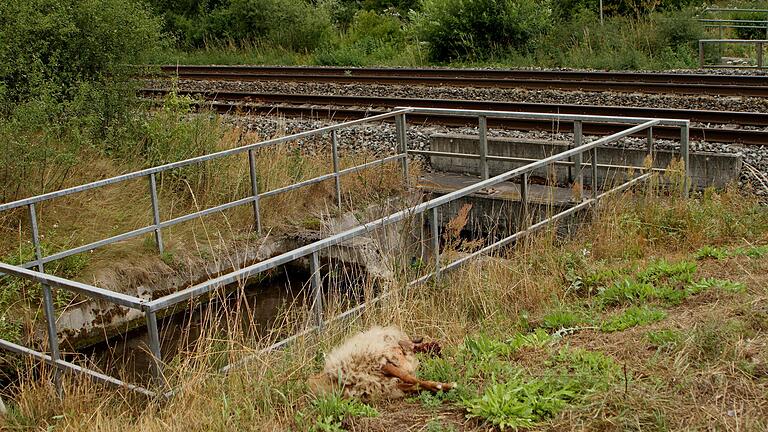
(574, 157)
(759, 48)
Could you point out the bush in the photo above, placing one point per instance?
(371, 38)
(50, 47)
(480, 29)
(290, 24)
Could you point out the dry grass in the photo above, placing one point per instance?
(713, 377)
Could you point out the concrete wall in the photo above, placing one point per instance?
(707, 169)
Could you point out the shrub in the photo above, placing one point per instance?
(480, 29)
(290, 24)
(50, 47)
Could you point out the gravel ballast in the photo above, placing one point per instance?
(379, 139)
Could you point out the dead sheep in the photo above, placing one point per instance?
(376, 364)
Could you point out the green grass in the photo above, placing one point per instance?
(632, 317)
(522, 401)
(328, 412)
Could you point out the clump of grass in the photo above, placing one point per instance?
(711, 252)
(665, 339)
(563, 318)
(523, 401)
(632, 317)
(626, 291)
(329, 412)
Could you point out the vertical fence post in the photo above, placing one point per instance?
(254, 190)
(335, 151)
(153, 334)
(524, 201)
(156, 212)
(701, 54)
(50, 315)
(759, 55)
(317, 289)
(436, 241)
(649, 146)
(578, 140)
(594, 172)
(483, 127)
(684, 155)
(402, 140)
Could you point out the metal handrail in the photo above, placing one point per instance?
(312, 250)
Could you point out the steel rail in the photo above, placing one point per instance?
(701, 116)
(600, 76)
(531, 84)
(244, 273)
(709, 134)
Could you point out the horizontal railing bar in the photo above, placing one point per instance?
(521, 159)
(741, 41)
(715, 9)
(18, 349)
(208, 211)
(91, 246)
(546, 116)
(726, 20)
(87, 290)
(199, 159)
(303, 251)
(330, 176)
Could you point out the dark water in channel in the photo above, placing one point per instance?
(260, 307)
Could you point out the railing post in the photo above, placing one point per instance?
(594, 173)
(317, 289)
(436, 241)
(254, 190)
(50, 314)
(153, 336)
(483, 128)
(684, 154)
(335, 151)
(759, 55)
(402, 140)
(524, 219)
(701, 54)
(649, 146)
(156, 212)
(578, 140)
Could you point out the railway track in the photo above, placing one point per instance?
(660, 83)
(351, 107)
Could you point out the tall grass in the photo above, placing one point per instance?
(494, 296)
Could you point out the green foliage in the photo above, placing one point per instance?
(329, 411)
(723, 284)
(521, 401)
(626, 291)
(291, 24)
(664, 272)
(50, 48)
(480, 29)
(711, 252)
(666, 339)
(561, 318)
(436, 426)
(632, 317)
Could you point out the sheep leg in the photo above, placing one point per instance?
(411, 382)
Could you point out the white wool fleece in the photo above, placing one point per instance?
(356, 364)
